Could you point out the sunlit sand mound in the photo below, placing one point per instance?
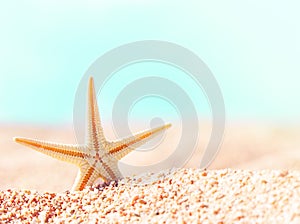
(184, 196)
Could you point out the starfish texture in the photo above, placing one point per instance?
(98, 158)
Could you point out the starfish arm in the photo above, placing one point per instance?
(95, 135)
(63, 152)
(86, 176)
(121, 148)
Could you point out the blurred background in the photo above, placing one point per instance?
(251, 47)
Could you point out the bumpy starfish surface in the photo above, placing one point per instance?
(98, 158)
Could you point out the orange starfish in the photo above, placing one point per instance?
(98, 157)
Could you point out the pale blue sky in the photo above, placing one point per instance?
(252, 48)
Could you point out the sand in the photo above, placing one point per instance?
(180, 196)
(254, 179)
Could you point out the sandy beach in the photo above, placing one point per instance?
(180, 196)
(255, 178)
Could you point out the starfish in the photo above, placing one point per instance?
(97, 158)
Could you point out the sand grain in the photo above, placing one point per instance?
(183, 196)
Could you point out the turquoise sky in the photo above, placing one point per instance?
(252, 48)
